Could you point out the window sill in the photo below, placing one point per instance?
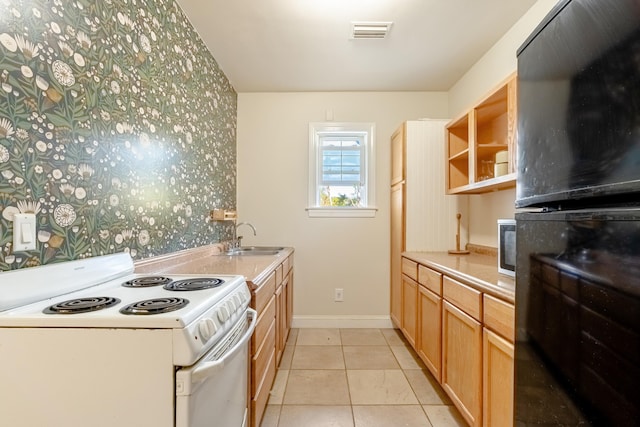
(341, 212)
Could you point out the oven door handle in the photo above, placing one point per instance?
(207, 369)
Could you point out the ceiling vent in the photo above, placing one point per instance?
(370, 30)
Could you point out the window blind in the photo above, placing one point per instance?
(341, 160)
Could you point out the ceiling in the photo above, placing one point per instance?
(305, 45)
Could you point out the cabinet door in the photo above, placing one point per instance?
(397, 246)
(429, 340)
(462, 362)
(409, 309)
(289, 300)
(497, 381)
(398, 154)
(280, 316)
(283, 315)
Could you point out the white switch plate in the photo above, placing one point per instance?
(24, 232)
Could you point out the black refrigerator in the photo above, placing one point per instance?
(577, 345)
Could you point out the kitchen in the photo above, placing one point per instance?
(166, 210)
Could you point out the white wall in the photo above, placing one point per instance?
(496, 65)
(352, 254)
(348, 253)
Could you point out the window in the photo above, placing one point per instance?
(341, 170)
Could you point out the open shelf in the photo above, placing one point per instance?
(474, 139)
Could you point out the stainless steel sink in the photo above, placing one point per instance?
(261, 248)
(255, 250)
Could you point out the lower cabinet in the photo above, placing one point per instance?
(409, 300)
(429, 342)
(465, 338)
(497, 380)
(462, 362)
(283, 315)
(272, 298)
(409, 309)
(498, 362)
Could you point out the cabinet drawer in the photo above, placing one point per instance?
(278, 272)
(286, 265)
(464, 297)
(499, 316)
(260, 360)
(263, 324)
(263, 294)
(261, 396)
(410, 268)
(430, 279)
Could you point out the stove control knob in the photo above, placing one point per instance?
(223, 314)
(239, 300)
(207, 328)
(231, 305)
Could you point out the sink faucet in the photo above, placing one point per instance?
(237, 239)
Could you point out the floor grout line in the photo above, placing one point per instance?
(389, 343)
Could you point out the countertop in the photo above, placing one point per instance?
(211, 260)
(477, 270)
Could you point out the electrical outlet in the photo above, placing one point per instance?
(338, 295)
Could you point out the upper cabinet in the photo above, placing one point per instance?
(481, 144)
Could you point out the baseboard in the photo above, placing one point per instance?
(341, 322)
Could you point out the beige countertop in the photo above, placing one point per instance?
(479, 271)
(210, 260)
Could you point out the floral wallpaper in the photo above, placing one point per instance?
(117, 128)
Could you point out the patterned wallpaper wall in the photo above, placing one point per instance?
(117, 128)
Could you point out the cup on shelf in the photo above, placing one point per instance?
(486, 170)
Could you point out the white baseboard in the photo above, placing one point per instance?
(341, 322)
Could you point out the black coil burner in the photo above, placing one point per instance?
(193, 284)
(81, 305)
(145, 282)
(155, 306)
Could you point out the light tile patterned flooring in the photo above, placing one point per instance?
(355, 378)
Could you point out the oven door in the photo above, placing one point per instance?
(213, 392)
(578, 318)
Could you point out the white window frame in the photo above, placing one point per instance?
(316, 130)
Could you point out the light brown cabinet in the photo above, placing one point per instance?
(397, 246)
(263, 352)
(498, 363)
(409, 309)
(465, 338)
(397, 216)
(272, 298)
(409, 317)
(474, 138)
(462, 349)
(422, 216)
(429, 339)
(429, 346)
(497, 380)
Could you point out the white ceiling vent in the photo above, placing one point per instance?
(370, 30)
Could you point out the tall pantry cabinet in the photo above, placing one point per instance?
(423, 217)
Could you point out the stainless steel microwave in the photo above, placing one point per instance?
(507, 247)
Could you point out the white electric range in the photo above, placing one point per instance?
(90, 342)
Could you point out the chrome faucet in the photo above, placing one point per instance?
(237, 239)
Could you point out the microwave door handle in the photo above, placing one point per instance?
(207, 369)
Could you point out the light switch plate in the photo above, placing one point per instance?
(24, 232)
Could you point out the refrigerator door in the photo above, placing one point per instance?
(578, 318)
(579, 106)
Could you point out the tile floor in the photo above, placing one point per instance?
(355, 378)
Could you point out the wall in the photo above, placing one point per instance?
(348, 253)
(498, 63)
(117, 128)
